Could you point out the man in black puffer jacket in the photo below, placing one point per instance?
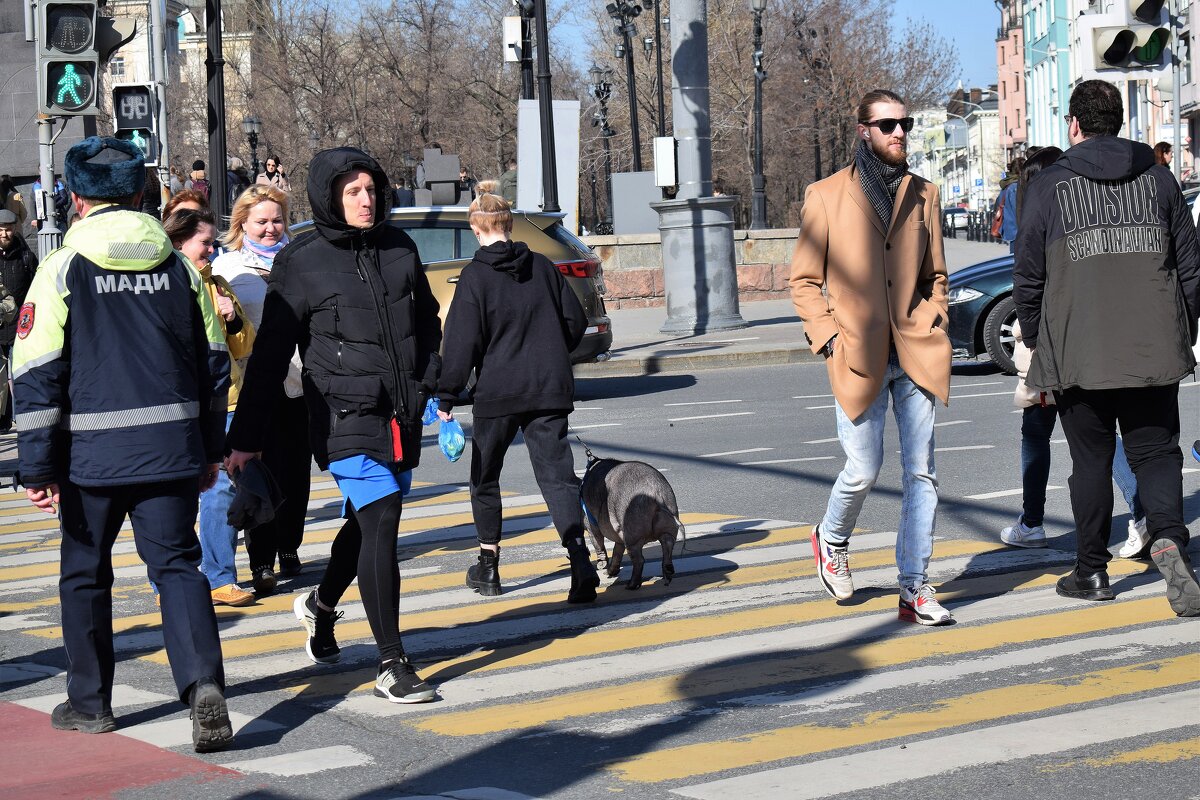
(353, 295)
(515, 321)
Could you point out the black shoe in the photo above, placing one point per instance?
(1085, 587)
(211, 729)
(399, 682)
(264, 581)
(584, 579)
(290, 565)
(1183, 592)
(484, 577)
(321, 646)
(66, 718)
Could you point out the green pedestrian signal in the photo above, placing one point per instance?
(71, 86)
(145, 140)
(68, 86)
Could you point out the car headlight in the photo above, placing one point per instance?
(963, 294)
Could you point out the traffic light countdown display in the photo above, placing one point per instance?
(135, 118)
(68, 61)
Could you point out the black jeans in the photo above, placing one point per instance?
(1149, 421)
(553, 467)
(1037, 425)
(365, 548)
(289, 457)
(163, 516)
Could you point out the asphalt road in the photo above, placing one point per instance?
(739, 679)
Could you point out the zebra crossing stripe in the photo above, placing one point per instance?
(908, 722)
(926, 757)
(304, 762)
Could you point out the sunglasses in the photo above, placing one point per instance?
(886, 126)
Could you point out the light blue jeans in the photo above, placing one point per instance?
(218, 540)
(862, 441)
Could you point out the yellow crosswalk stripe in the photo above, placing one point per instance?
(1157, 753)
(708, 682)
(992, 704)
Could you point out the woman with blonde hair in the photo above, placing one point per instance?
(257, 232)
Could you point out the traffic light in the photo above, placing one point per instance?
(1133, 43)
(135, 117)
(68, 62)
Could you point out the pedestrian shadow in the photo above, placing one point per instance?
(611, 388)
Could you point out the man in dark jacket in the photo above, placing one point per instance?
(515, 322)
(352, 293)
(237, 180)
(121, 374)
(1106, 284)
(17, 266)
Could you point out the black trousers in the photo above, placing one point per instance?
(365, 548)
(163, 517)
(553, 467)
(1149, 422)
(289, 457)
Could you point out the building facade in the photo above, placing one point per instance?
(1048, 71)
(1010, 75)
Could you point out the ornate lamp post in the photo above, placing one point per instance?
(601, 89)
(252, 127)
(624, 12)
(758, 182)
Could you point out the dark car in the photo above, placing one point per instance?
(446, 245)
(982, 311)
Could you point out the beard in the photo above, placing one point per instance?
(886, 156)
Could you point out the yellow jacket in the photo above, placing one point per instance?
(240, 343)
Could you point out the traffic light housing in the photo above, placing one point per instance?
(1133, 43)
(135, 117)
(68, 62)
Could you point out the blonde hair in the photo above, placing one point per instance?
(491, 214)
(487, 187)
(257, 193)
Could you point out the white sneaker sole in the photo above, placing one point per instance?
(1030, 544)
(423, 697)
(301, 611)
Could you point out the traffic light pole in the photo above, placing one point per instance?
(158, 60)
(1176, 99)
(49, 236)
(215, 67)
(546, 109)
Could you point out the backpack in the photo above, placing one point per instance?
(201, 186)
(998, 216)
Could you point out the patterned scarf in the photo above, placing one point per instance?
(266, 253)
(879, 180)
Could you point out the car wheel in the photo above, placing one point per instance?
(998, 337)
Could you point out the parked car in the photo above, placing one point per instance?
(956, 217)
(446, 244)
(982, 311)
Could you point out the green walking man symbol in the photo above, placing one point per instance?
(141, 142)
(69, 85)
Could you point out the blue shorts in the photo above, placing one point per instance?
(363, 480)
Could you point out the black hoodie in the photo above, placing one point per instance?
(1107, 270)
(515, 321)
(358, 304)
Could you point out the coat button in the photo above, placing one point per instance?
(889, 283)
(887, 246)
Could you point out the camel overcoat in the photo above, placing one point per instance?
(881, 285)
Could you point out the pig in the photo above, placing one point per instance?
(631, 503)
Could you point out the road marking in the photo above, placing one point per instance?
(974, 385)
(951, 422)
(964, 447)
(926, 757)
(737, 452)
(304, 762)
(1003, 493)
(702, 403)
(1157, 753)
(786, 461)
(823, 441)
(713, 416)
(818, 408)
(589, 408)
(810, 396)
(595, 425)
(910, 724)
(979, 394)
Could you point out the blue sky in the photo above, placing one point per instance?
(970, 24)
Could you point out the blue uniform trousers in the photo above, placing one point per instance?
(163, 516)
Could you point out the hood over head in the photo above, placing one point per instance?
(511, 258)
(324, 170)
(1108, 158)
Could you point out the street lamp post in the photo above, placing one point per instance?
(601, 89)
(252, 127)
(624, 12)
(662, 104)
(758, 202)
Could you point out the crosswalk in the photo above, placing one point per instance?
(740, 678)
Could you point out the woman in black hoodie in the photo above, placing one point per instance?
(514, 320)
(353, 295)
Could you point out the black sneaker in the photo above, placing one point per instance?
(321, 646)
(1183, 591)
(264, 581)
(398, 682)
(66, 718)
(290, 565)
(211, 728)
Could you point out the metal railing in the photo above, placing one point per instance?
(978, 227)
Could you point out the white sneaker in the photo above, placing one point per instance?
(833, 567)
(1137, 540)
(1021, 536)
(920, 605)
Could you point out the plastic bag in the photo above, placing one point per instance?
(431, 408)
(452, 440)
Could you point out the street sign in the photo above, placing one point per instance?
(979, 181)
(957, 189)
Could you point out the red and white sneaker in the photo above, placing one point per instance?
(920, 605)
(833, 567)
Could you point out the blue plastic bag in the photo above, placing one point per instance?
(452, 440)
(431, 408)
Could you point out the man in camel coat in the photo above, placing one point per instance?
(869, 281)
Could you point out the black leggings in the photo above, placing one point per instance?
(376, 526)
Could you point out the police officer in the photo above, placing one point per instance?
(121, 375)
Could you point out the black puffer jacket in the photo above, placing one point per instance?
(17, 266)
(358, 304)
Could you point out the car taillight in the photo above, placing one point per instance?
(579, 269)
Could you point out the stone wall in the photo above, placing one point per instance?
(633, 271)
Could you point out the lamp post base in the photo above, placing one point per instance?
(699, 269)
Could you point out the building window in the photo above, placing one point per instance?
(116, 68)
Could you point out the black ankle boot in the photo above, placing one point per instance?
(584, 579)
(484, 577)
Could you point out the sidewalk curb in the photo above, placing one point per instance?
(638, 366)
